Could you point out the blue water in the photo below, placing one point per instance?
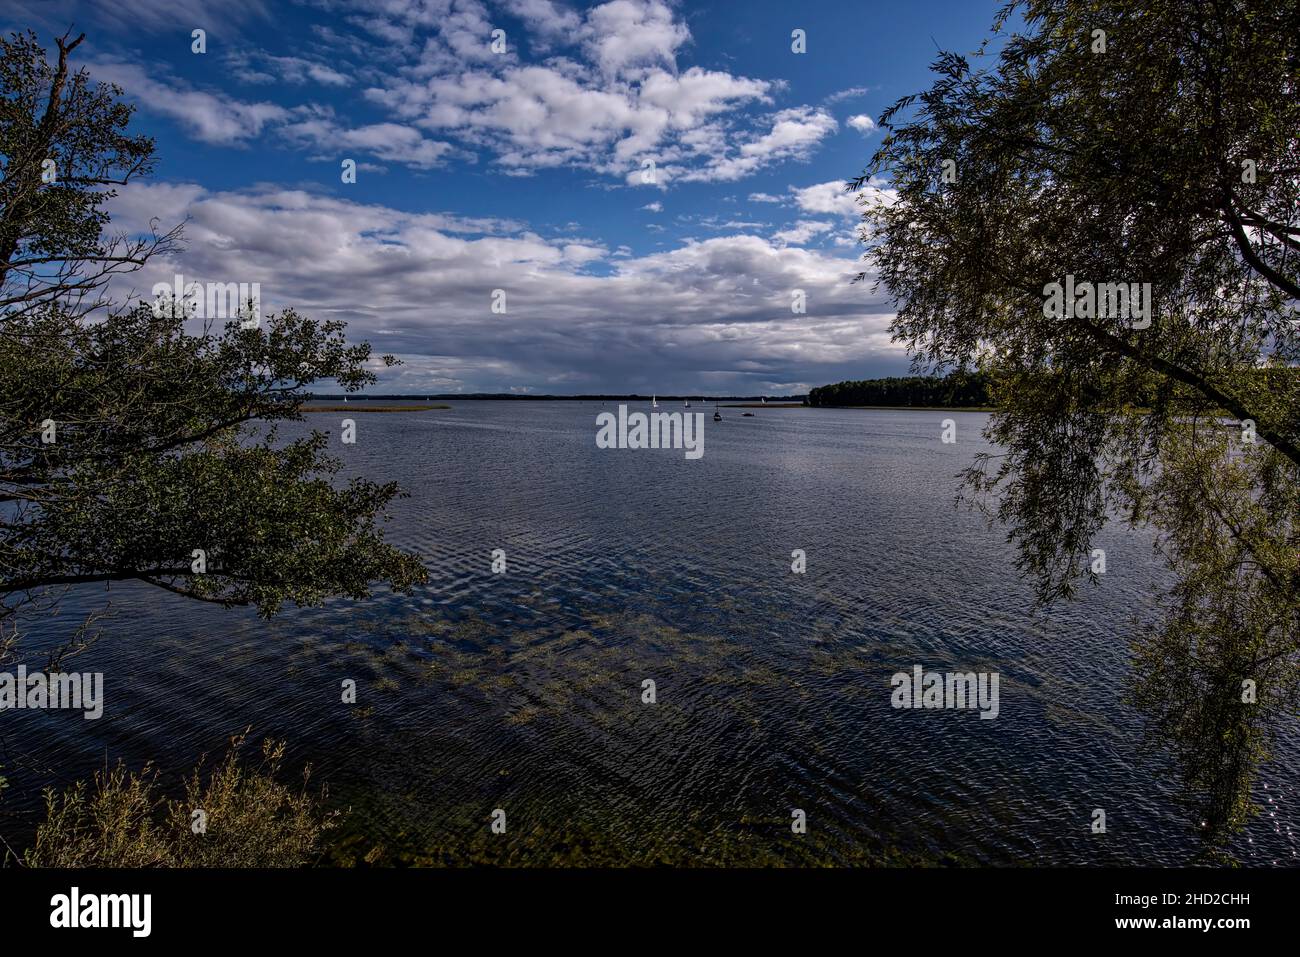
(523, 690)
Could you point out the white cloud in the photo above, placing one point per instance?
(223, 120)
(580, 253)
(152, 15)
(848, 94)
(631, 33)
(209, 117)
(419, 285)
(618, 101)
(794, 134)
(826, 198)
(386, 141)
(614, 99)
(535, 117)
(547, 19)
(862, 123)
(801, 232)
(832, 198)
(255, 66)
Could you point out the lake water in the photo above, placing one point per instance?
(523, 690)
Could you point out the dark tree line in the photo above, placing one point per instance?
(903, 391)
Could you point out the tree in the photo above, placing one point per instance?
(134, 444)
(954, 391)
(1110, 144)
(64, 146)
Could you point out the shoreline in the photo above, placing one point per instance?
(877, 408)
(913, 408)
(373, 408)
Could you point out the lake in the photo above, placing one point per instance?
(524, 690)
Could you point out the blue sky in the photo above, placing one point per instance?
(525, 171)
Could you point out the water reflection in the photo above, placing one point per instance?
(522, 690)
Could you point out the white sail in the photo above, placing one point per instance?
(654, 403)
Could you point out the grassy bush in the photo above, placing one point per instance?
(120, 820)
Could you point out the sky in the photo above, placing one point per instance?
(611, 197)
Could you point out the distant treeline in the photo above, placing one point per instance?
(956, 391)
(531, 397)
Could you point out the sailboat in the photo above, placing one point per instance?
(687, 404)
(654, 403)
(717, 416)
(765, 400)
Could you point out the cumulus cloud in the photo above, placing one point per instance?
(793, 134)
(833, 197)
(614, 101)
(385, 141)
(547, 19)
(534, 117)
(630, 33)
(612, 93)
(713, 312)
(225, 120)
(826, 198)
(611, 99)
(801, 232)
(862, 123)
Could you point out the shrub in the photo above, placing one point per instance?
(120, 819)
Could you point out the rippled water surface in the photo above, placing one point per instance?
(523, 691)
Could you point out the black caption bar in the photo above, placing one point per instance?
(142, 908)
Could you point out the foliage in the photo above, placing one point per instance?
(1170, 159)
(252, 820)
(955, 391)
(150, 463)
(135, 446)
(52, 243)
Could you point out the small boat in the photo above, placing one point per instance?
(765, 400)
(687, 404)
(747, 415)
(717, 416)
(654, 403)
